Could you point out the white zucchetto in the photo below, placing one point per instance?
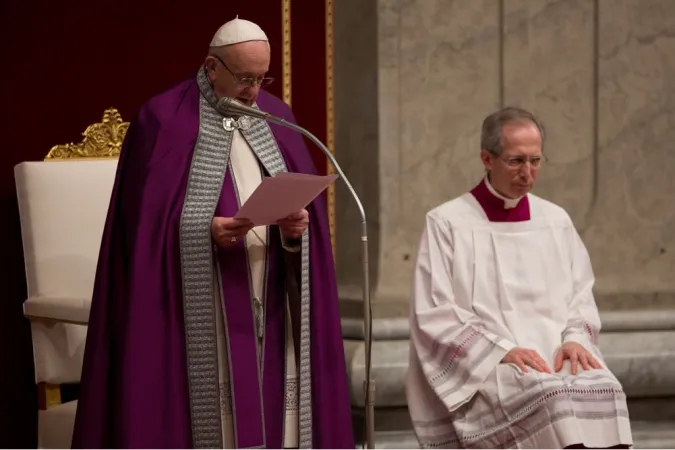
(236, 31)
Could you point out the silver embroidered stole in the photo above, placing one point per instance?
(207, 174)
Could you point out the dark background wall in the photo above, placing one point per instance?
(63, 64)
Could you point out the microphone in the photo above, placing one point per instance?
(229, 105)
(234, 107)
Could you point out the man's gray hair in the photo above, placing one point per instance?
(491, 132)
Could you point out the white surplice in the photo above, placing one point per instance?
(482, 288)
(247, 175)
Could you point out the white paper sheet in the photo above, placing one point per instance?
(282, 195)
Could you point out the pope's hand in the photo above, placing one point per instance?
(227, 231)
(293, 226)
(576, 353)
(523, 357)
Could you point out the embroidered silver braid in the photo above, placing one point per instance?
(305, 407)
(261, 140)
(207, 174)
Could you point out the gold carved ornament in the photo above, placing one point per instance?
(330, 118)
(286, 50)
(101, 140)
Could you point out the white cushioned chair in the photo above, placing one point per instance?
(63, 203)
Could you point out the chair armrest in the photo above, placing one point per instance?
(60, 309)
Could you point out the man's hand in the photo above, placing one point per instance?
(294, 225)
(523, 357)
(227, 231)
(576, 353)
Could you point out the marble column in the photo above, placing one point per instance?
(600, 75)
(631, 231)
(414, 80)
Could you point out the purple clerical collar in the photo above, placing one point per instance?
(499, 208)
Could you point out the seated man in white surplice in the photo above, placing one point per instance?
(504, 325)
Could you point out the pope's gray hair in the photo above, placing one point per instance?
(491, 131)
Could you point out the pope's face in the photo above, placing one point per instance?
(239, 70)
(515, 170)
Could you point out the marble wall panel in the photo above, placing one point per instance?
(415, 78)
(631, 234)
(549, 68)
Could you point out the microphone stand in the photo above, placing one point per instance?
(368, 384)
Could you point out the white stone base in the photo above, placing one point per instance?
(643, 361)
(645, 435)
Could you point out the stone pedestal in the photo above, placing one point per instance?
(414, 80)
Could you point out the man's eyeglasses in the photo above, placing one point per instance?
(518, 162)
(261, 81)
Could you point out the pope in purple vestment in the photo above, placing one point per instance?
(150, 372)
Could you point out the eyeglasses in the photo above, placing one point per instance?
(261, 81)
(518, 162)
